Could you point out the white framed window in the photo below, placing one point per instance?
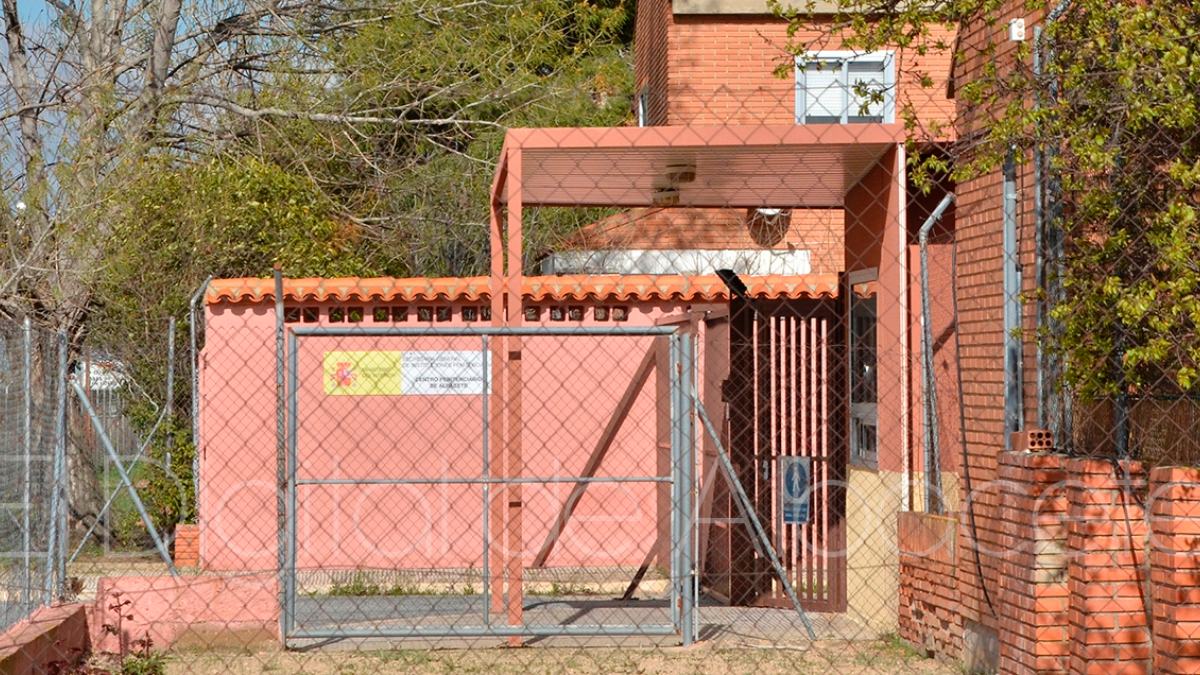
(845, 88)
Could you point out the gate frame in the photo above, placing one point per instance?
(749, 329)
(684, 595)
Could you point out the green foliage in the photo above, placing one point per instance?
(163, 478)
(141, 659)
(1130, 165)
(168, 477)
(224, 217)
(1115, 108)
(391, 177)
(360, 585)
(144, 664)
(449, 83)
(228, 217)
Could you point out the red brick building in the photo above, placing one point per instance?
(901, 387)
(725, 64)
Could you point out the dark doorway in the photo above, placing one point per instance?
(783, 397)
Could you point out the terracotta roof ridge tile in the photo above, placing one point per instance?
(537, 288)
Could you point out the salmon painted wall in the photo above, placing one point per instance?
(875, 237)
(945, 359)
(571, 388)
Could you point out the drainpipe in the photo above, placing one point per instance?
(1013, 381)
(933, 474)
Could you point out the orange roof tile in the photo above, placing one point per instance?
(538, 289)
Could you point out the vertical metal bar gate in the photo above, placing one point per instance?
(785, 398)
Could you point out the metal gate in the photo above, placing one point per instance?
(415, 495)
(784, 397)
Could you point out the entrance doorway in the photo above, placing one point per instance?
(784, 397)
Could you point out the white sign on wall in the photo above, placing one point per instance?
(396, 373)
(443, 372)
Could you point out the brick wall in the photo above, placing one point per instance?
(819, 231)
(1109, 625)
(1032, 593)
(721, 70)
(980, 269)
(979, 240)
(929, 609)
(1093, 572)
(1175, 569)
(650, 56)
(187, 545)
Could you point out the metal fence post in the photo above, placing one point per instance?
(169, 403)
(686, 476)
(293, 463)
(487, 474)
(55, 544)
(676, 566)
(27, 460)
(280, 456)
(64, 365)
(194, 372)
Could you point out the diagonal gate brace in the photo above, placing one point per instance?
(624, 406)
(758, 535)
(117, 491)
(116, 460)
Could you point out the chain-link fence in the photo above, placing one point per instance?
(32, 467)
(769, 381)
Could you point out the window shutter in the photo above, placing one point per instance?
(825, 92)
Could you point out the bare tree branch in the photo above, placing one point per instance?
(334, 118)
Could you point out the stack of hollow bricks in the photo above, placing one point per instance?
(187, 545)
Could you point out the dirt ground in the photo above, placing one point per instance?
(858, 658)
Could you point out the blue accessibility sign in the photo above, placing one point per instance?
(795, 477)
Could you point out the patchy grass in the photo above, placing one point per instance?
(362, 586)
(359, 586)
(564, 589)
(881, 657)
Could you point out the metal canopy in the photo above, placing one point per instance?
(791, 166)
